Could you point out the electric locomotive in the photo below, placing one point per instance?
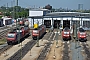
(82, 34)
(66, 34)
(38, 32)
(16, 34)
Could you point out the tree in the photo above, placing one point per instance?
(48, 7)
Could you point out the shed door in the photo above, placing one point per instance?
(66, 23)
(47, 23)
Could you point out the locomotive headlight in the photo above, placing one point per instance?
(66, 35)
(84, 36)
(66, 32)
(35, 31)
(82, 33)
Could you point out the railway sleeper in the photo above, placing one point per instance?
(87, 58)
(65, 57)
(65, 52)
(87, 51)
(44, 52)
(24, 49)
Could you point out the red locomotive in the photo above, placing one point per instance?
(66, 34)
(38, 32)
(21, 22)
(17, 34)
(82, 35)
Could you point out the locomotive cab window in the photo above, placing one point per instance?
(66, 29)
(81, 30)
(10, 35)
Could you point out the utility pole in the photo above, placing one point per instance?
(19, 30)
(80, 8)
(6, 9)
(74, 36)
(16, 14)
(11, 11)
(37, 36)
(7, 5)
(11, 14)
(57, 35)
(13, 2)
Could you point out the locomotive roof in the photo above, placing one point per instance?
(66, 28)
(81, 30)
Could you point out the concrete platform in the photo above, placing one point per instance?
(35, 51)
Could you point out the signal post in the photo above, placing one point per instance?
(36, 27)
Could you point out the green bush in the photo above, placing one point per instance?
(0, 16)
(2, 41)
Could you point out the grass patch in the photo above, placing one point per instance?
(2, 41)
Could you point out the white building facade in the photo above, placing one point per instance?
(37, 12)
(63, 19)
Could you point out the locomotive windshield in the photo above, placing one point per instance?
(10, 35)
(66, 28)
(81, 30)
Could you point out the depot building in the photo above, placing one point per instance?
(58, 19)
(5, 21)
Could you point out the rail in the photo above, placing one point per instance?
(5, 48)
(24, 50)
(44, 52)
(87, 51)
(66, 52)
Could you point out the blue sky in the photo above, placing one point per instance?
(71, 4)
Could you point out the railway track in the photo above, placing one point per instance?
(5, 48)
(87, 50)
(18, 55)
(6, 28)
(1, 28)
(3, 34)
(65, 52)
(23, 51)
(51, 38)
(4, 31)
(46, 36)
(44, 52)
